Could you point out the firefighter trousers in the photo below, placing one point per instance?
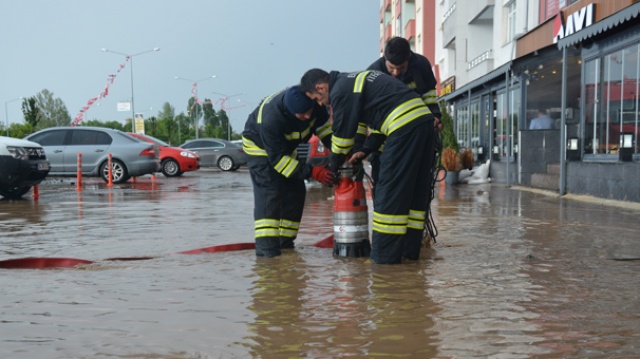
(401, 197)
(278, 205)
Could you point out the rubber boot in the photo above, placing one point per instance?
(268, 247)
(287, 243)
(386, 249)
(412, 242)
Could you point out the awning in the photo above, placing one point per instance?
(617, 19)
(500, 71)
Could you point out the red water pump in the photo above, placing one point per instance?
(351, 215)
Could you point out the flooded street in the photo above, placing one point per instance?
(514, 274)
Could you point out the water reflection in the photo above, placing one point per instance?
(353, 310)
(514, 274)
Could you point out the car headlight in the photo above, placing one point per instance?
(18, 152)
(187, 154)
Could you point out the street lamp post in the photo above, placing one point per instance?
(195, 94)
(6, 111)
(130, 57)
(223, 100)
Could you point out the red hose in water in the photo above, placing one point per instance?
(33, 262)
(41, 262)
(222, 248)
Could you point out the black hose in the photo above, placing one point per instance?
(430, 229)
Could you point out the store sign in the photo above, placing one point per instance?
(123, 106)
(139, 123)
(448, 86)
(575, 22)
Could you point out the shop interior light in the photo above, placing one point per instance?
(626, 140)
(496, 149)
(480, 150)
(573, 149)
(572, 144)
(626, 147)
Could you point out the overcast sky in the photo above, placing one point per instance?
(255, 47)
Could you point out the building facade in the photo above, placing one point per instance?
(504, 63)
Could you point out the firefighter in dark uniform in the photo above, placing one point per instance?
(388, 106)
(270, 138)
(415, 71)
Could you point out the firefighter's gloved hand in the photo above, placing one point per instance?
(323, 175)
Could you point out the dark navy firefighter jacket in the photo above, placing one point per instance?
(271, 131)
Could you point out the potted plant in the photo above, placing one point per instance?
(466, 159)
(450, 160)
(449, 157)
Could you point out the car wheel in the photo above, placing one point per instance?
(14, 192)
(171, 168)
(225, 163)
(119, 172)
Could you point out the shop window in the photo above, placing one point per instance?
(505, 143)
(611, 100)
(475, 126)
(468, 125)
(462, 126)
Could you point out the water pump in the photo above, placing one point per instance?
(351, 215)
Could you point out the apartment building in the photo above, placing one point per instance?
(501, 62)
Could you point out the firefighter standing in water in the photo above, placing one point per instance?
(415, 71)
(270, 138)
(393, 109)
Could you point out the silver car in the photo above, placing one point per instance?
(130, 157)
(217, 152)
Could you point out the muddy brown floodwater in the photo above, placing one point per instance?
(514, 274)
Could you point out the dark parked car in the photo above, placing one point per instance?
(131, 157)
(23, 164)
(226, 155)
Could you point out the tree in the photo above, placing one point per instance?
(109, 124)
(31, 111)
(184, 132)
(195, 112)
(167, 112)
(210, 116)
(53, 111)
(166, 125)
(20, 130)
(447, 134)
(151, 126)
(224, 124)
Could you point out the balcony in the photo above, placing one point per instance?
(449, 26)
(410, 29)
(480, 11)
(385, 8)
(480, 65)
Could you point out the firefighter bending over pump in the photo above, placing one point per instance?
(270, 138)
(390, 107)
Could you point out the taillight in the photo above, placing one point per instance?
(149, 152)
